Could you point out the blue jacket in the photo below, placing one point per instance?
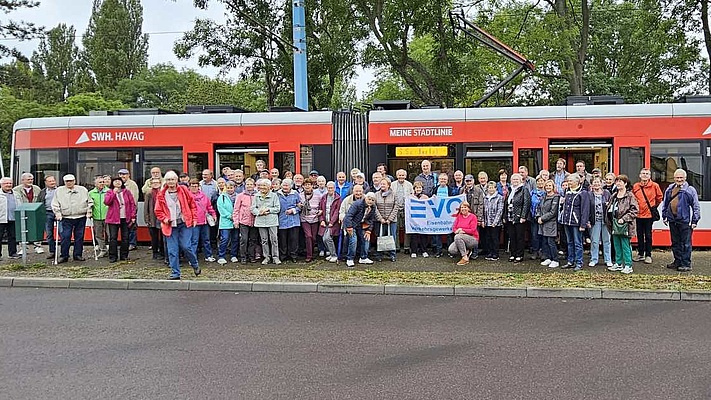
(354, 216)
(289, 201)
(688, 210)
(451, 191)
(536, 196)
(500, 188)
(576, 208)
(343, 192)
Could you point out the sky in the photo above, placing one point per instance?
(163, 20)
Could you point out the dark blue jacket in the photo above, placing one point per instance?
(576, 208)
(688, 210)
(354, 216)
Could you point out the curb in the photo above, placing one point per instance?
(344, 288)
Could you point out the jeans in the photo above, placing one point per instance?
(437, 244)
(231, 236)
(574, 237)
(49, 230)
(132, 235)
(289, 242)
(353, 241)
(681, 243)
(180, 241)
(536, 238)
(392, 227)
(644, 236)
(623, 250)
(9, 229)
(549, 248)
(201, 235)
(597, 232)
(75, 226)
(113, 240)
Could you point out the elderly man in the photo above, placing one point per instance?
(45, 197)
(342, 185)
(8, 203)
(133, 188)
(72, 206)
(98, 213)
(402, 189)
(28, 192)
(682, 212)
(208, 185)
(649, 196)
(155, 173)
(528, 181)
(427, 177)
(358, 224)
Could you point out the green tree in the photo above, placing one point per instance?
(56, 60)
(13, 109)
(17, 30)
(83, 103)
(157, 86)
(114, 45)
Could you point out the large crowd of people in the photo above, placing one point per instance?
(273, 218)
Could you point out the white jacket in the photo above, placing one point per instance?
(72, 204)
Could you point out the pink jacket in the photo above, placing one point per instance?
(113, 215)
(467, 224)
(242, 211)
(204, 207)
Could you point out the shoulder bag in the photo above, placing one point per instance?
(653, 210)
(386, 242)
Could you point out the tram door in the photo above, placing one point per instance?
(244, 158)
(595, 154)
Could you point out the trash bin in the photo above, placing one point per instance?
(36, 215)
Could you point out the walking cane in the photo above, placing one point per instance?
(56, 242)
(93, 240)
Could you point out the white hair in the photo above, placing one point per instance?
(5, 179)
(681, 172)
(170, 175)
(330, 183)
(574, 177)
(287, 181)
(264, 181)
(27, 175)
(369, 194)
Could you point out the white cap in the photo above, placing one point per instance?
(69, 177)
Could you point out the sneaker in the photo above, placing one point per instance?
(39, 250)
(413, 255)
(517, 260)
(321, 253)
(648, 260)
(365, 261)
(494, 259)
(210, 259)
(626, 270)
(233, 259)
(19, 251)
(277, 261)
(578, 268)
(609, 264)
(554, 264)
(512, 258)
(425, 255)
(438, 254)
(350, 263)
(222, 261)
(547, 261)
(639, 257)
(615, 268)
(332, 259)
(15, 256)
(567, 265)
(265, 261)
(684, 269)
(560, 252)
(592, 264)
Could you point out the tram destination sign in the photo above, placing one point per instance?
(421, 151)
(422, 131)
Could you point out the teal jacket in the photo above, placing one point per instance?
(225, 206)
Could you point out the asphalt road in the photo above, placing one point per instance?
(85, 344)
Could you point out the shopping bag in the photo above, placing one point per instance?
(386, 241)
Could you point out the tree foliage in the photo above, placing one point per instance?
(56, 61)
(114, 44)
(20, 30)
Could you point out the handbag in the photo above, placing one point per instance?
(210, 219)
(653, 210)
(386, 241)
(620, 229)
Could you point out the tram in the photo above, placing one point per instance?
(621, 138)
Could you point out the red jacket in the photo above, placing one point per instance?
(467, 224)
(654, 194)
(187, 208)
(335, 209)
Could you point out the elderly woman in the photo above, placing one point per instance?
(330, 227)
(276, 184)
(243, 218)
(466, 234)
(574, 218)
(121, 215)
(265, 207)
(310, 214)
(598, 229)
(149, 217)
(622, 209)
(359, 224)
(201, 232)
(229, 233)
(493, 220)
(289, 221)
(517, 208)
(547, 218)
(386, 214)
(176, 209)
(502, 186)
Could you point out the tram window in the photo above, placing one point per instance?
(669, 156)
(307, 160)
(531, 158)
(631, 161)
(22, 163)
(47, 163)
(91, 163)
